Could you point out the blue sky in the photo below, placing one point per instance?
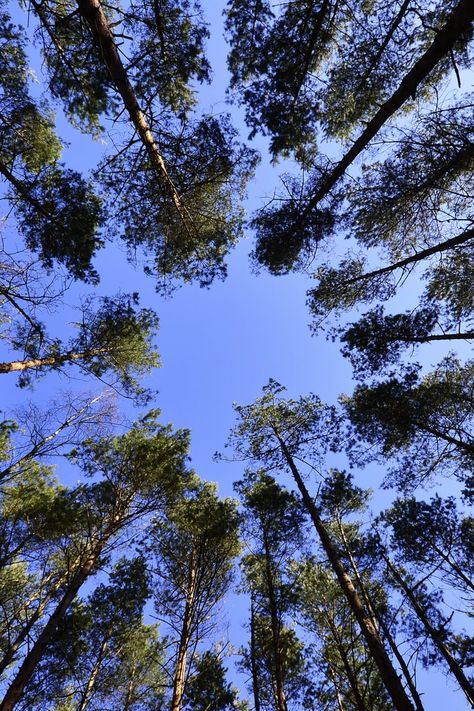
(221, 345)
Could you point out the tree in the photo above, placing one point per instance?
(274, 523)
(173, 185)
(193, 549)
(57, 210)
(207, 689)
(140, 472)
(424, 422)
(115, 340)
(275, 432)
(94, 651)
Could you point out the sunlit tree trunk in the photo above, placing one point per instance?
(181, 662)
(386, 669)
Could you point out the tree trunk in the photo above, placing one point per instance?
(458, 24)
(253, 661)
(280, 698)
(386, 669)
(16, 366)
(10, 652)
(27, 668)
(382, 625)
(418, 257)
(180, 669)
(433, 633)
(92, 12)
(95, 671)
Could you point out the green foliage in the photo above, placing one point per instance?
(62, 222)
(423, 421)
(207, 689)
(209, 170)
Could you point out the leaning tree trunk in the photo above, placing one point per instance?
(457, 25)
(27, 668)
(388, 674)
(378, 619)
(92, 12)
(91, 682)
(433, 633)
(18, 366)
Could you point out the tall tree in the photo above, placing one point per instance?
(139, 472)
(274, 524)
(276, 432)
(193, 549)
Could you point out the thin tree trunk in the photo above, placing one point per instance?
(457, 24)
(280, 697)
(14, 646)
(27, 668)
(433, 633)
(418, 257)
(340, 704)
(350, 674)
(22, 191)
(438, 337)
(386, 669)
(180, 669)
(94, 15)
(86, 696)
(382, 624)
(400, 15)
(38, 447)
(253, 661)
(469, 448)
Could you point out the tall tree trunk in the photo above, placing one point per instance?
(280, 698)
(27, 668)
(386, 669)
(14, 646)
(86, 696)
(433, 633)
(92, 12)
(253, 659)
(379, 620)
(181, 662)
(457, 24)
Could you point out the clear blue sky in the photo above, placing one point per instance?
(221, 345)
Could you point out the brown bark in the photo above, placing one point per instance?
(388, 674)
(185, 638)
(92, 12)
(27, 668)
(433, 633)
(280, 698)
(95, 671)
(16, 366)
(458, 23)
(382, 625)
(418, 257)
